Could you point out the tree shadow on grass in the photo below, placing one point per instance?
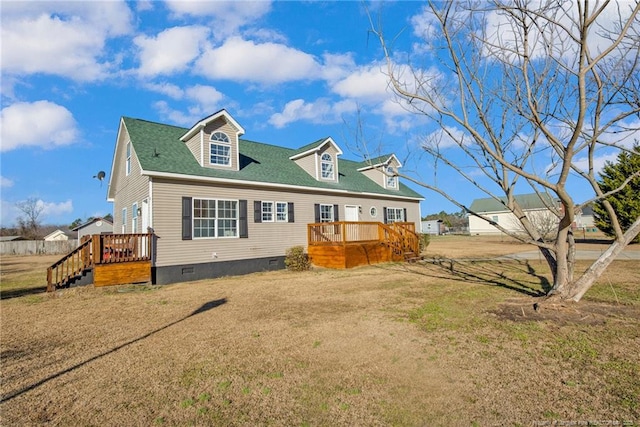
(21, 292)
(516, 275)
(203, 308)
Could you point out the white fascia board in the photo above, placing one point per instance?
(208, 179)
(113, 162)
(385, 163)
(316, 149)
(202, 123)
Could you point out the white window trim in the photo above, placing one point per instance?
(330, 162)
(373, 211)
(226, 143)
(286, 212)
(134, 218)
(390, 178)
(124, 220)
(216, 218)
(396, 210)
(128, 161)
(273, 212)
(332, 216)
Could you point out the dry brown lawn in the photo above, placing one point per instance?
(394, 344)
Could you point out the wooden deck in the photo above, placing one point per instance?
(113, 259)
(348, 244)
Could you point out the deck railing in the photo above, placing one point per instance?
(400, 236)
(99, 249)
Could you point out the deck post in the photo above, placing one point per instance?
(96, 248)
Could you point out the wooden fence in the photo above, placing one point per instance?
(38, 247)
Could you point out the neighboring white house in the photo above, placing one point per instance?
(584, 219)
(56, 235)
(95, 226)
(535, 207)
(435, 227)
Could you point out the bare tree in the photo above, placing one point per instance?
(29, 221)
(530, 92)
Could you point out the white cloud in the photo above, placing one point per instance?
(226, 17)
(40, 123)
(367, 84)
(5, 182)
(60, 38)
(8, 213)
(170, 51)
(599, 161)
(204, 100)
(320, 111)
(243, 60)
(446, 138)
(52, 209)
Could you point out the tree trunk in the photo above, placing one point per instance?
(576, 290)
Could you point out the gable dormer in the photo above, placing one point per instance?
(383, 171)
(213, 141)
(319, 159)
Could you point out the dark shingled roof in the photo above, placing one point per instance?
(159, 149)
(527, 201)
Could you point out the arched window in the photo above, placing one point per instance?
(220, 149)
(327, 168)
(392, 179)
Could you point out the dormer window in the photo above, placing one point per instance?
(220, 149)
(326, 162)
(392, 179)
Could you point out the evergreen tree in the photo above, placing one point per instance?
(626, 203)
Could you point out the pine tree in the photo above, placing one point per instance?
(626, 203)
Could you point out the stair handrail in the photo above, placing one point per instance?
(70, 265)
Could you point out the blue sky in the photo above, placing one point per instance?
(288, 72)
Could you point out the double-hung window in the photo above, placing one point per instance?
(215, 218)
(124, 220)
(327, 167)
(392, 179)
(395, 215)
(267, 211)
(220, 149)
(326, 213)
(134, 218)
(282, 212)
(128, 163)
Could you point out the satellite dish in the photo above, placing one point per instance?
(100, 176)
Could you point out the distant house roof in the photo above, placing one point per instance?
(11, 238)
(91, 222)
(161, 152)
(57, 233)
(531, 201)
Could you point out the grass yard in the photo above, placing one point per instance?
(394, 344)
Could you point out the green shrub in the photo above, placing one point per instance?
(296, 259)
(424, 240)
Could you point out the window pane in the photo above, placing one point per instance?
(267, 211)
(281, 212)
(220, 154)
(326, 213)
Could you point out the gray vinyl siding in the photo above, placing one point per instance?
(194, 145)
(129, 189)
(222, 126)
(266, 239)
(308, 163)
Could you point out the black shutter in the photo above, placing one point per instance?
(336, 213)
(243, 226)
(186, 218)
(316, 210)
(290, 212)
(384, 214)
(257, 211)
(405, 215)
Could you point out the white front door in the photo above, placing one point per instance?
(351, 213)
(145, 215)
